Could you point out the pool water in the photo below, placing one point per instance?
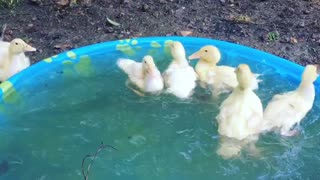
(66, 112)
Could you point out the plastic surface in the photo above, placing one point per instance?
(282, 66)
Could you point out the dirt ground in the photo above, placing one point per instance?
(287, 28)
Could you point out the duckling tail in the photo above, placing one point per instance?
(4, 27)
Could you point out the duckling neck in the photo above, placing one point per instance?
(202, 64)
(206, 63)
(8, 60)
(306, 89)
(182, 61)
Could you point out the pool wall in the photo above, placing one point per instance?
(129, 46)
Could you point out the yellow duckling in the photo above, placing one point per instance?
(12, 58)
(180, 78)
(241, 114)
(145, 75)
(221, 78)
(288, 109)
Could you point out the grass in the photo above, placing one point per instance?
(273, 36)
(9, 3)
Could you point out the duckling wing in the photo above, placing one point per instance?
(134, 70)
(223, 80)
(18, 63)
(153, 81)
(4, 45)
(284, 111)
(180, 81)
(255, 117)
(227, 76)
(231, 118)
(171, 72)
(240, 115)
(131, 68)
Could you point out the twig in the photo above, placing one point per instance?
(85, 173)
(4, 27)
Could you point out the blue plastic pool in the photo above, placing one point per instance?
(60, 109)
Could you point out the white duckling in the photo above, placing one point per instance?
(221, 78)
(241, 114)
(12, 57)
(180, 78)
(145, 75)
(288, 109)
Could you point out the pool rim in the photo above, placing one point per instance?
(282, 65)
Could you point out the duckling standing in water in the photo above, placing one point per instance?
(241, 114)
(180, 78)
(12, 58)
(145, 75)
(288, 109)
(220, 78)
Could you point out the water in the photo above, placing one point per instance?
(66, 114)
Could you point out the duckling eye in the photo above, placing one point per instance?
(16, 43)
(205, 50)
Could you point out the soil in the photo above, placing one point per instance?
(287, 28)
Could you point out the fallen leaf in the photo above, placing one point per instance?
(293, 40)
(241, 19)
(185, 33)
(113, 22)
(63, 46)
(62, 3)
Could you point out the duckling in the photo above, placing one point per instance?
(288, 109)
(12, 57)
(241, 114)
(145, 75)
(220, 78)
(180, 78)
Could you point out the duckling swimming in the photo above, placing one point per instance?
(240, 116)
(144, 75)
(180, 78)
(220, 78)
(288, 109)
(12, 58)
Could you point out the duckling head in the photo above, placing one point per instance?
(244, 76)
(148, 64)
(19, 46)
(310, 73)
(208, 53)
(177, 50)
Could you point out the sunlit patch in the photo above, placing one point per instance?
(55, 56)
(9, 93)
(66, 62)
(134, 42)
(84, 66)
(167, 49)
(126, 49)
(155, 44)
(48, 60)
(71, 55)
